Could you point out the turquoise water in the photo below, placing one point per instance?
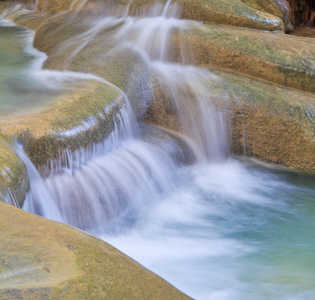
(240, 229)
(13, 59)
(237, 230)
(24, 85)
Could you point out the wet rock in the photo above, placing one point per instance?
(279, 8)
(78, 120)
(13, 178)
(269, 122)
(168, 142)
(59, 261)
(230, 12)
(271, 56)
(304, 32)
(53, 6)
(272, 123)
(275, 57)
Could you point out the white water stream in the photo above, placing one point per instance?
(224, 228)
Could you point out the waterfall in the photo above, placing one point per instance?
(108, 185)
(167, 194)
(99, 187)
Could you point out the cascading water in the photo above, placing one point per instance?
(186, 86)
(87, 186)
(218, 229)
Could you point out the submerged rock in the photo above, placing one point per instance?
(168, 142)
(60, 261)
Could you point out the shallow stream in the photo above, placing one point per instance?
(223, 228)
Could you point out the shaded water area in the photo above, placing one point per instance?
(214, 225)
(24, 86)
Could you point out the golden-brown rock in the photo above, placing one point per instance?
(61, 262)
(13, 178)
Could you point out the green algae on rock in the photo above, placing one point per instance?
(272, 123)
(13, 178)
(279, 8)
(78, 119)
(275, 57)
(60, 261)
(279, 58)
(229, 12)
(269, 122)
(272, 56)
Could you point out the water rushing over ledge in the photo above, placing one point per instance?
(207, 227)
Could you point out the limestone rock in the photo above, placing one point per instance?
(74, 120)
(279, 8)
(13, 178)
(275, 57)
(59, 261)
(269, 122)
(229, 12)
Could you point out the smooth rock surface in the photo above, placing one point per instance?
(283, 59)
(77, 119)
(13, 178)
(269, 122)
(59, 261)
(271, 56)
(230, 12)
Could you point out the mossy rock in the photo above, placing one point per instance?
(13, 177)
(272, 123)
(269, 122)
(272, 56)
(279, 8)
(124, 68)
(53, 6)
(275, 57)
(230, 12)
(61, 262)
(72, 121)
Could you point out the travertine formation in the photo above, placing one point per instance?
(268, 79)
(67, 263)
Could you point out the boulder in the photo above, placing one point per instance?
(272, 123)
(85, 117)
(59, 261)
(273, 56)
(269, 122)
(279, 8)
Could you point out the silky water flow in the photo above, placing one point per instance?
(218, 228)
